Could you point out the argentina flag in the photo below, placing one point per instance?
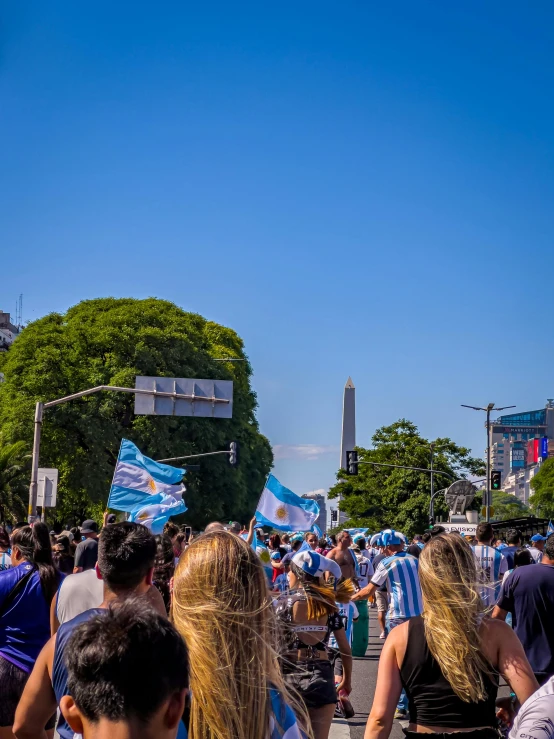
(282, 509)
(151, 492)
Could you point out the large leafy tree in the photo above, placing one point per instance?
(542, 500)
(13, 466)
(384, 496)
(108, 342)
(507, 506)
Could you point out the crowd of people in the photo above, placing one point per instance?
(115, 632)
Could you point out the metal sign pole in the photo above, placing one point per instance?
(39, 409)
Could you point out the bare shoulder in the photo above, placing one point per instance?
(332, 554)
(495, 629)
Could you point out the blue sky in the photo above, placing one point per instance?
(356, 189)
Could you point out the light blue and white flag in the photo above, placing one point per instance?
(355, 532)
(550, 529)
(151, 492)
(317, 531)
(282, 509)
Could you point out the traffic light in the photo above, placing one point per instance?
(495, 479)
(234, 453)
(431, 521)
(334, 515)
(352, 463)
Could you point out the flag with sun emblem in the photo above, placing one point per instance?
(282, 509)
(151, 492)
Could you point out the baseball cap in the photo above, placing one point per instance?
(66, 533)
(275, 555)
(234, 527)
(538, 537)
(89, 527)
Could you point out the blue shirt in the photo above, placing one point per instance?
(59, 670)
(400, 573)
(528, 594)
(25, 626)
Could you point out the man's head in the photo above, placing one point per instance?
(360, 542)
(538, 542)
(548, 551)
(126, 555)
(89, 529)
(344, 540)
(214, 526)
(513, 538)
(127, 666)
(484, 533)
(234, 527)
(295, 546)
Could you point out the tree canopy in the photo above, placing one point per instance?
(13, 465)
(542, 499)
(507, 506)
(384, 496)
(109, 341)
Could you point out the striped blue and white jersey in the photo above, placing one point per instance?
(349, 613)
(400, 573)
(492, 565)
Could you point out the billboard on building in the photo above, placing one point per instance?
(544, 448)
(517, 456)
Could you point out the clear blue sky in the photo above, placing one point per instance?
(357, 188)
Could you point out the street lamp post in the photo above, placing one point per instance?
(488, 410)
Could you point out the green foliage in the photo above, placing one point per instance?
(507, 506)
(108, 342)
(383, 496)
(13, 465)
(542, 500)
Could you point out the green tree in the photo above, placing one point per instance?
(384, 496)
(13, 464)
(108, 342)
(542, 500)
(507, 506)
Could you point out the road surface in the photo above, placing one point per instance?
(363, 688)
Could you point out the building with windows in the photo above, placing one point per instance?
(8, 331)
(520, 442)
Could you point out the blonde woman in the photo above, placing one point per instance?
(310, 613)
(223, 610)
(448, 660)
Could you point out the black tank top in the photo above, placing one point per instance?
(432, 702)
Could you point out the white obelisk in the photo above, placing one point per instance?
(348, 440)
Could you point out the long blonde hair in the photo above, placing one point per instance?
(223, 609)
(321, 597)
(452, 613)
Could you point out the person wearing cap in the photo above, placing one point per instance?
(400, 573)
(86, 553)
(310, 615)
(537, 547)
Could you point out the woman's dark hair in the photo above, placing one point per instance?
(76, 531)
(274, 541)
(4, 538)
(322, 543)
(171, 529)
(164, 567)
(522, 557)
(34, 545)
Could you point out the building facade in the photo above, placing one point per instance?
(8, 331)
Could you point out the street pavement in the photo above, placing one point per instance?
(364, 679)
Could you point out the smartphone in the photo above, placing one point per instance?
(188, 532)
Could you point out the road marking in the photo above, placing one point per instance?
(339, 729)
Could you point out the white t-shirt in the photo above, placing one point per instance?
(535, 719)
(78, 593)
(365, 569)
(349, 613)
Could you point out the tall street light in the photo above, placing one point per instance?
(488, 410)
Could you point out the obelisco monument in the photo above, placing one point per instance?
(348, 439)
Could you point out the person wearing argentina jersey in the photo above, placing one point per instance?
(399, 570)
(491, 565)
